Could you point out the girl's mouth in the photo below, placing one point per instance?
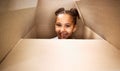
(63, 35)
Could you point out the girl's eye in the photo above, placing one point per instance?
(67, 25)
(59, 25)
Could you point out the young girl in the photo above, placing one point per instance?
(66, 22)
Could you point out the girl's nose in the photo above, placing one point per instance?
(62, 29)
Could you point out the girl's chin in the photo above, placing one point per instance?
(63, 37)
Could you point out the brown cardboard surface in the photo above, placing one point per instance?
(13, 26)
(103, 17)
(62, 55)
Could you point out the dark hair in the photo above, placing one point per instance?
(72, 12)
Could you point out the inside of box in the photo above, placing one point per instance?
(33, 19)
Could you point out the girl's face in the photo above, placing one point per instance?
(64, 26)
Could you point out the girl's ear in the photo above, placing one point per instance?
(75, 27)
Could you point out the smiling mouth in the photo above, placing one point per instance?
(63, 35)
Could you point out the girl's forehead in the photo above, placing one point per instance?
(64, 17)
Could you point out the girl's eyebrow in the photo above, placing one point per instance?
(68, 23)
(57, 23)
